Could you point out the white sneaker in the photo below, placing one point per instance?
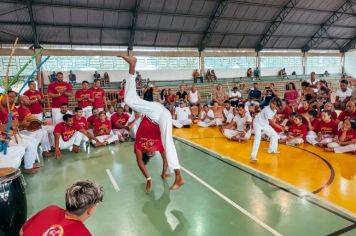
(273, 152)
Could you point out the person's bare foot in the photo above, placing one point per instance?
(148, 186)
(131, 60)
(165, 176)
(177, 183)
(31, 171)
(46, 154)
(101, 144)
(36, 165)
(329, 149)
(76, 149)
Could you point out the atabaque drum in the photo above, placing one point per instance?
(13, 204)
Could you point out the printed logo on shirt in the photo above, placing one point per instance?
(54, 230)
(326, 130)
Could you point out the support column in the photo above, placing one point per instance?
(304, 63)
(39, 74)
(343, 63)
(201, 64)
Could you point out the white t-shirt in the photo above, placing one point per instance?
(342, 95)
(210, 114)
(316, 81)
(183, 113)
(241, 121)
(229, 114)
(193, 97)
(266, 114)
(234, 94)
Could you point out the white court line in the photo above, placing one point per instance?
(113, 182)
(232, 203)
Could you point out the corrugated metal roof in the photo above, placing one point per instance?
(176, 23)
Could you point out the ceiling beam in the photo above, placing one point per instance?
(36, 43)
(218, 10)
(133, 25)
(281, 16)
(349, 45)
(314, 41)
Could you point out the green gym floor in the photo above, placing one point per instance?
(219, 197)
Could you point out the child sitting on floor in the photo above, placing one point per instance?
(346, 140)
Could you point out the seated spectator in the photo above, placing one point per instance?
(257, 74)
(343, 95)
(72, 78)
(53, 77)
(326, 130)
(92, 119)
(79, 119)
(234, 96)
(171, 100)
(284, 113)
(326, 73)
(324, 90)
(314, 82)
(249, 73)
(213, 75)
(240, 127)
(133, 123)
(106, 79)
(307, 90)
(182, 95)
(96, 75)
(148, 93)
(64, 109)
(121, 94)
(304, 108)
(81, 200)
(282, 73)
(269, 92)
(194, 98)
(228, 113)
(291, 95)
(312, 121)
(208, 76)
(119, 124)
(330, 107)
(128, 110)
(110, 112)
(348, 113)
(103, 131)
(138, 80)
(346, 139)
(254, 96)
(162, 97)
(182, 116)
(219, 95)
(207, 117)
(297, 132)
(69, 136)
(196, 75)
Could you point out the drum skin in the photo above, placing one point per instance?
(13, 205)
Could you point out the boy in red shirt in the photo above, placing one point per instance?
(85, 99)
(92, 119)
(67, 135)
(36, 100)
(297, 131)
(346, 140)
(119, 123)
(60, 92)
(98, 94)
(103, 130)
(79, 119)
(326, 130)
(304, 108)
(82, 198)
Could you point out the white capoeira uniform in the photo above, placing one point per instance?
(182, 117)
(135, 126)
(13, 157)
(59, 116)
(40, 137)
(39, 116)
(261, 123)
(30, 146)
(120, 133)
(76, 139)
(110, 138)
(342, 149)
(312, 139)
(241, 123)
(158, 114)
(207, 122)
(87, 111)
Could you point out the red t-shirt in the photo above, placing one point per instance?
(122, 119)
(35, 108)
(4, 115)
(51, 221)
(333, 115)
(345, 114)
(297, 130)
(56, 88)
(285, 112)
(315, 124)
(99, 127)
(98, 95)
(350, 135)
(23, 113)
(91, 120)
(82, 122)
(66, 131)
(327, 128)
(121, 94)
(148, 137)
(85, 102)
(302, 110)
(291, 96)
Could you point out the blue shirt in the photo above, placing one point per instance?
(256, 94)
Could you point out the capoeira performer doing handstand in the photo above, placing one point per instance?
(157, 117)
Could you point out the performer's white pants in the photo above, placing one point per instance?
(110, 138)
(76, 139)
(270, 132)
(206, 124)
(30, 146)
(229, 133)
(57, 116)
(13, 157)
(181, 123)
(41, 137)
(87, 111)
(133, 131)
(39, 116)
(158, 114)
(342, 149)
